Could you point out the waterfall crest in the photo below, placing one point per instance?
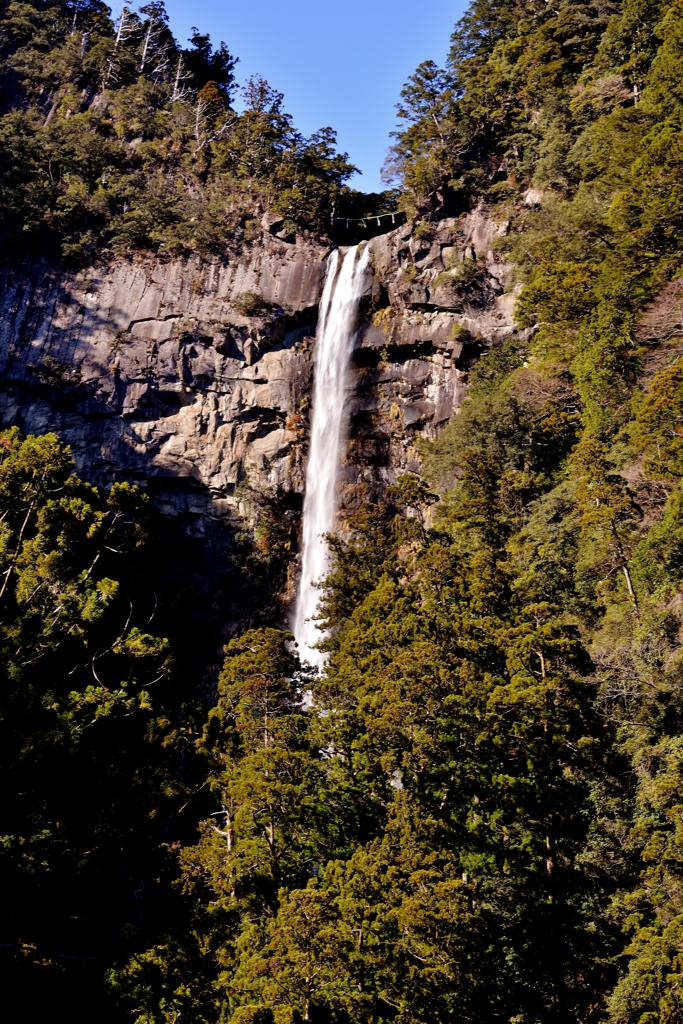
(335, 337)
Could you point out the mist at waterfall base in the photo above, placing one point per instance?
(334, 346)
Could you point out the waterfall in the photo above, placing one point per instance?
(334, 345)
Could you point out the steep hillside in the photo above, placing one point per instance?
(116, 139)
(473, 814)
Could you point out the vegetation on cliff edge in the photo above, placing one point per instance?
(113, 138)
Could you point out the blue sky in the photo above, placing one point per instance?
(339, 63)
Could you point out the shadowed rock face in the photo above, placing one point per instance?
(194, 376)
(153, 371)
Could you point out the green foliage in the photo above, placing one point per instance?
(422, 230)
(467, 123)
(658, 559)
(430, 806)
(657, 431)
(604, 370)
(51, 547)
(77, 715)
(113, 138)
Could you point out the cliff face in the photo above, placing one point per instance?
(155, 371)
(195, 376)
(439, 299)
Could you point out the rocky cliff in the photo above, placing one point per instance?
(194, 376)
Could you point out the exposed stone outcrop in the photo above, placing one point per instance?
(438, 299)
(195, 375)
(156, 371)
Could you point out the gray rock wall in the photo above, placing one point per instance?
(440, 297)
(151, 371)
(159, 371)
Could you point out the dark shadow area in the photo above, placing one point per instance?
(63, 927)
(370, 357)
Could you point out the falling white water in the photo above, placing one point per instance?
(335, 337)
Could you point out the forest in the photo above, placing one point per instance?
(475, 813)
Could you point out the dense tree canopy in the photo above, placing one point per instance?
(113, 137)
